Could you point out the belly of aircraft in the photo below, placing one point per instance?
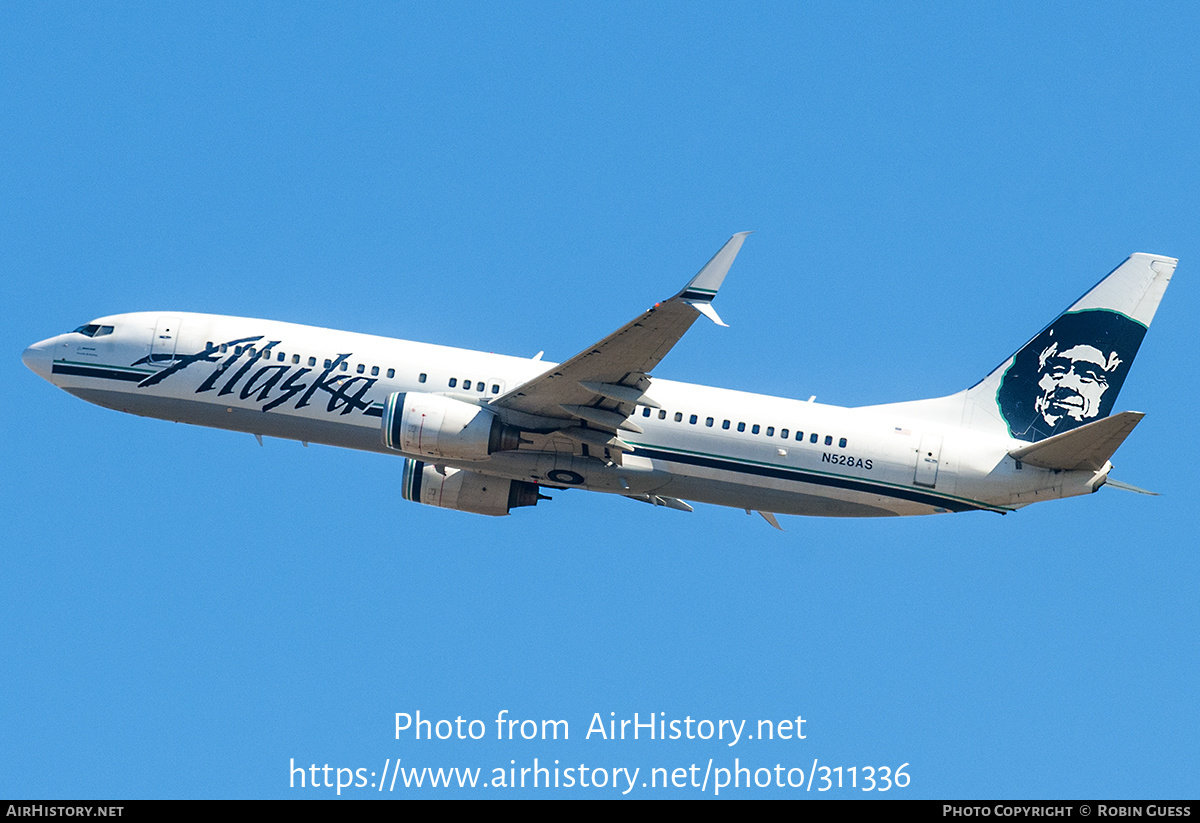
(696, 484)
(236, 418)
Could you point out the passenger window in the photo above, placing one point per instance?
(754, 429)
(799, 437)
(678, 417)
(466, 385)
(829, 440)
(842, 443)
(344, 365)
(420, 379)
(770, 431)
(693, 419)
(741, 427)
(224, 348)
(725, 425)
(391, 373)
(453, 382)
(328, 362)
(479, 385)
(495, 388)
(783, 433)
(662, 414)
(646, 412)
(709, 422)
(375, 373)
(280, 357)
(813, 438)
(361, 368)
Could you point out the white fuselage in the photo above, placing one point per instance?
(704, 444)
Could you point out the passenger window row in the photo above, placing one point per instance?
(281, 357)
(755, 428)
(469, 385)
(359, 368)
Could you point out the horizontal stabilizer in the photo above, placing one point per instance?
(1086, 448)
(1128, 487)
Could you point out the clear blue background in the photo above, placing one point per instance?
(183, 611)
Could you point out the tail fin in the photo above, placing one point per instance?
(1071, 372)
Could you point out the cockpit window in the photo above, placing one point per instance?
(94, 330)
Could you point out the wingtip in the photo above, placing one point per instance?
(709, 279)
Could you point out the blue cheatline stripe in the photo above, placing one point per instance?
(98, 371)
(799, 476)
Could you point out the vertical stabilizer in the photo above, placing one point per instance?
(1071, 372)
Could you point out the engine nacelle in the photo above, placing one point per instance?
(436, 426)
(464, 490)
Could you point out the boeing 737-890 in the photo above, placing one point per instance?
(485, 433)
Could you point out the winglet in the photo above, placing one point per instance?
(702, 288)
(705, 308)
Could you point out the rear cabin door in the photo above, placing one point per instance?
(927, 460)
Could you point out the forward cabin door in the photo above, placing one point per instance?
(166, 335)
(927, 460)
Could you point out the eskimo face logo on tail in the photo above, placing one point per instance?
(1068, 375)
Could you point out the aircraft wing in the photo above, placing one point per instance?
(593, 393)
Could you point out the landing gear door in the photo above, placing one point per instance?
(166, 335)
(927, 460)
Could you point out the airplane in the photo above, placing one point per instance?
(487, 433)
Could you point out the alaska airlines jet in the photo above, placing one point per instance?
(485, 433)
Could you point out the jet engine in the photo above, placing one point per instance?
(466, 491)
(436, 426)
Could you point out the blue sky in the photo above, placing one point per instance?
(186, 613)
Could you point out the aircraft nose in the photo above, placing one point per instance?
(37, 359)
